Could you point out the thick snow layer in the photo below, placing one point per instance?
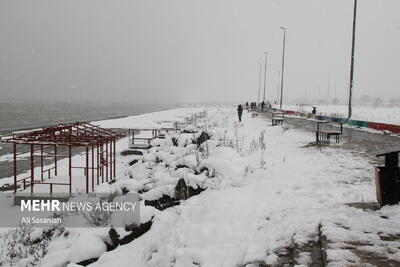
(251, 212)
(86, 246)
(390, 115)
(260, 212)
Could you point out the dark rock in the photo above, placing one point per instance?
(202, 138)
(114, 236)
(182, 191)
(87, 262)
(131, 152)
(180, 166)
(136, 232)
(175, 141)
(133, 162)
(162, 203)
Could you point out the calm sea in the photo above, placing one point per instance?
(22, 116)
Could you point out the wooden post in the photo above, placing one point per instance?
(15, 166)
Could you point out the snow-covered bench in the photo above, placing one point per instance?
(326, 129)
(141, 138)
(277, 117)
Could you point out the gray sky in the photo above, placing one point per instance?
(191, 50)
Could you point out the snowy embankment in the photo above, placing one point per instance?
(390, 115)
(281, 204)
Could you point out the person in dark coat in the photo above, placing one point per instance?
(240, 112)
(314, 110)
(247, 105)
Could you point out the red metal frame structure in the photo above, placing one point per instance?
(44, 143)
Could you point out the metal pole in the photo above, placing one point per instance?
(55, 160)
(102, 162)
(98, 167)
(32, 167)
(87, 169)
(111, 160)
(70, 168)
(114, 158)
(92, 168)
(352, 58)
(283, 63)
(41, 163)
(106, 161)
(15, 167)
(259, 83)
(265, 74)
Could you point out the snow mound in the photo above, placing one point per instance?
(86, 246)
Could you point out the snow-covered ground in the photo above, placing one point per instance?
(390, 115)
(260, 206)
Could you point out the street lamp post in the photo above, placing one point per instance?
(259, 83)
(352, 58)
(283, 64)
(277, 89)
(265, 74)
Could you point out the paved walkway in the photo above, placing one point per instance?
(363, 142)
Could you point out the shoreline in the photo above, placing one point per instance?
(9, 131)
(6, 169)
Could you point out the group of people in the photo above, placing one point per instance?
(251, 106)
(254, 105)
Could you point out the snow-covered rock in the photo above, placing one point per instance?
(86, 246)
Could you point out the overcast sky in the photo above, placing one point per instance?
(192, 50)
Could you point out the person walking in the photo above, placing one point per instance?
(240, 112)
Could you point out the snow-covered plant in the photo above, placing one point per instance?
(263, 147)
(22, 243)
(236, 138)
(224, 139)
(97, 217)
(254, 145)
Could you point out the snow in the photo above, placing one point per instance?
(390, 115)
(249, 218)
(250, 213)
(86, 246)
(150, 120)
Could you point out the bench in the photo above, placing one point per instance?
(167, 127)
(277, 118)
(326, 129)
(141, 138)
